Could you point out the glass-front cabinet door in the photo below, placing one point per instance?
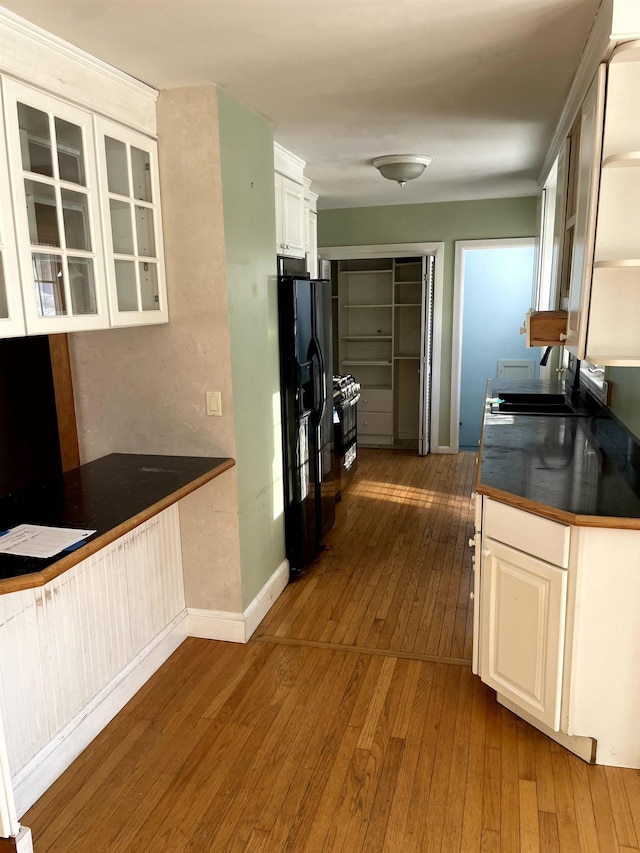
(11, 315)
(133, 236)
(56, 207)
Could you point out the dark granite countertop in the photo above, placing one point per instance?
(111, 495)
(582, 470)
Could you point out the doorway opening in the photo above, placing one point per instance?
(386, 307)
(493, 289)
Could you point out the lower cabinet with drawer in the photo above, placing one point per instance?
(523, 627)
(375, 418)
(556, 626)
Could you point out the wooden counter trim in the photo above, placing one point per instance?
(67, 562)
(551, 512)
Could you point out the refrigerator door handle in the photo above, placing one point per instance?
(323, 375)
(319, 388)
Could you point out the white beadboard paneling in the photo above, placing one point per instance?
(64, 642)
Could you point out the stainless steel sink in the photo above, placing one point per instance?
(533, 404)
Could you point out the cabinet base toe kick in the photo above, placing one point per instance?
(583, 747)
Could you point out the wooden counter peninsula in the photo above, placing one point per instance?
(112, 495)
(81, 632)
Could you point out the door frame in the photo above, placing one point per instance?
(461, 248)
(410, 250)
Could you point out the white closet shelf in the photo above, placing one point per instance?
(365, 337)
(408, 305)
(361, 361)
(626, 158)
(407, 357)
(366, 272)
(617, 264)
(377, 305)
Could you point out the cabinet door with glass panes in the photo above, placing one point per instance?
(54, 184)
(11, 315)
(133, 235)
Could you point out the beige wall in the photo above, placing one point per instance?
(142, 390)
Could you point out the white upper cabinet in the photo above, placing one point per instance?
(587, 177)
(290, 203)
(54, 186)
(290, 217)
(130, 196)
(80, 228)
(11, 314)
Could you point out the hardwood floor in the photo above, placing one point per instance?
(350, 722)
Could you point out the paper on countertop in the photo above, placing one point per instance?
(33, 540)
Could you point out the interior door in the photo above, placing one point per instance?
(426, 337)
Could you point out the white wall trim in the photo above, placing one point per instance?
(461, 247)
(31, 781)
(409, 250)
(238, 627)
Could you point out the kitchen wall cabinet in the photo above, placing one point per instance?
(130, 195)
(291, 216)
(80, 229)
(54, 184)
(11, 313)
(311, 229)
(590, 258)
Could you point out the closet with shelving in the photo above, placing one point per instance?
(384, 322)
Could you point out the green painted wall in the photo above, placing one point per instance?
(246, 148)
(442, 222)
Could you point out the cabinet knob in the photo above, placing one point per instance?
(472, 595)
(486, 553)
(473, 496)
(523, 330)
(562, 336)
(365, 400)
(472, 543)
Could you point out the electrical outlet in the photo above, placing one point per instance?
(214, 403)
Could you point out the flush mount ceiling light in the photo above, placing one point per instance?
(402, 167)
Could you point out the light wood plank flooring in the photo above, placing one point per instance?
(350, 722)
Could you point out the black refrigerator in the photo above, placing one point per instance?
(306, 386)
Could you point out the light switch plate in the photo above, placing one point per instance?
(214, 403)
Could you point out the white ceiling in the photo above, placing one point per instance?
(476, 84)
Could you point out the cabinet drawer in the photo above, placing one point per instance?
(375, 400)
(375, 423)
(548, 540)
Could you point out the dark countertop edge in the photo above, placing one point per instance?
(545, 510)
(35, 579)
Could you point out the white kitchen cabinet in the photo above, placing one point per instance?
(523, 629)
(290, 217)
(11, 313)
(556, 617)
(75, 253)
(587, 174)
(311, 229)
(54, 186)
(130, 196)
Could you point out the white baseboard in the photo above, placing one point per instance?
(238, 627)
(52, 760)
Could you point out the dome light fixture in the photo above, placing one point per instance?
(402, 167)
